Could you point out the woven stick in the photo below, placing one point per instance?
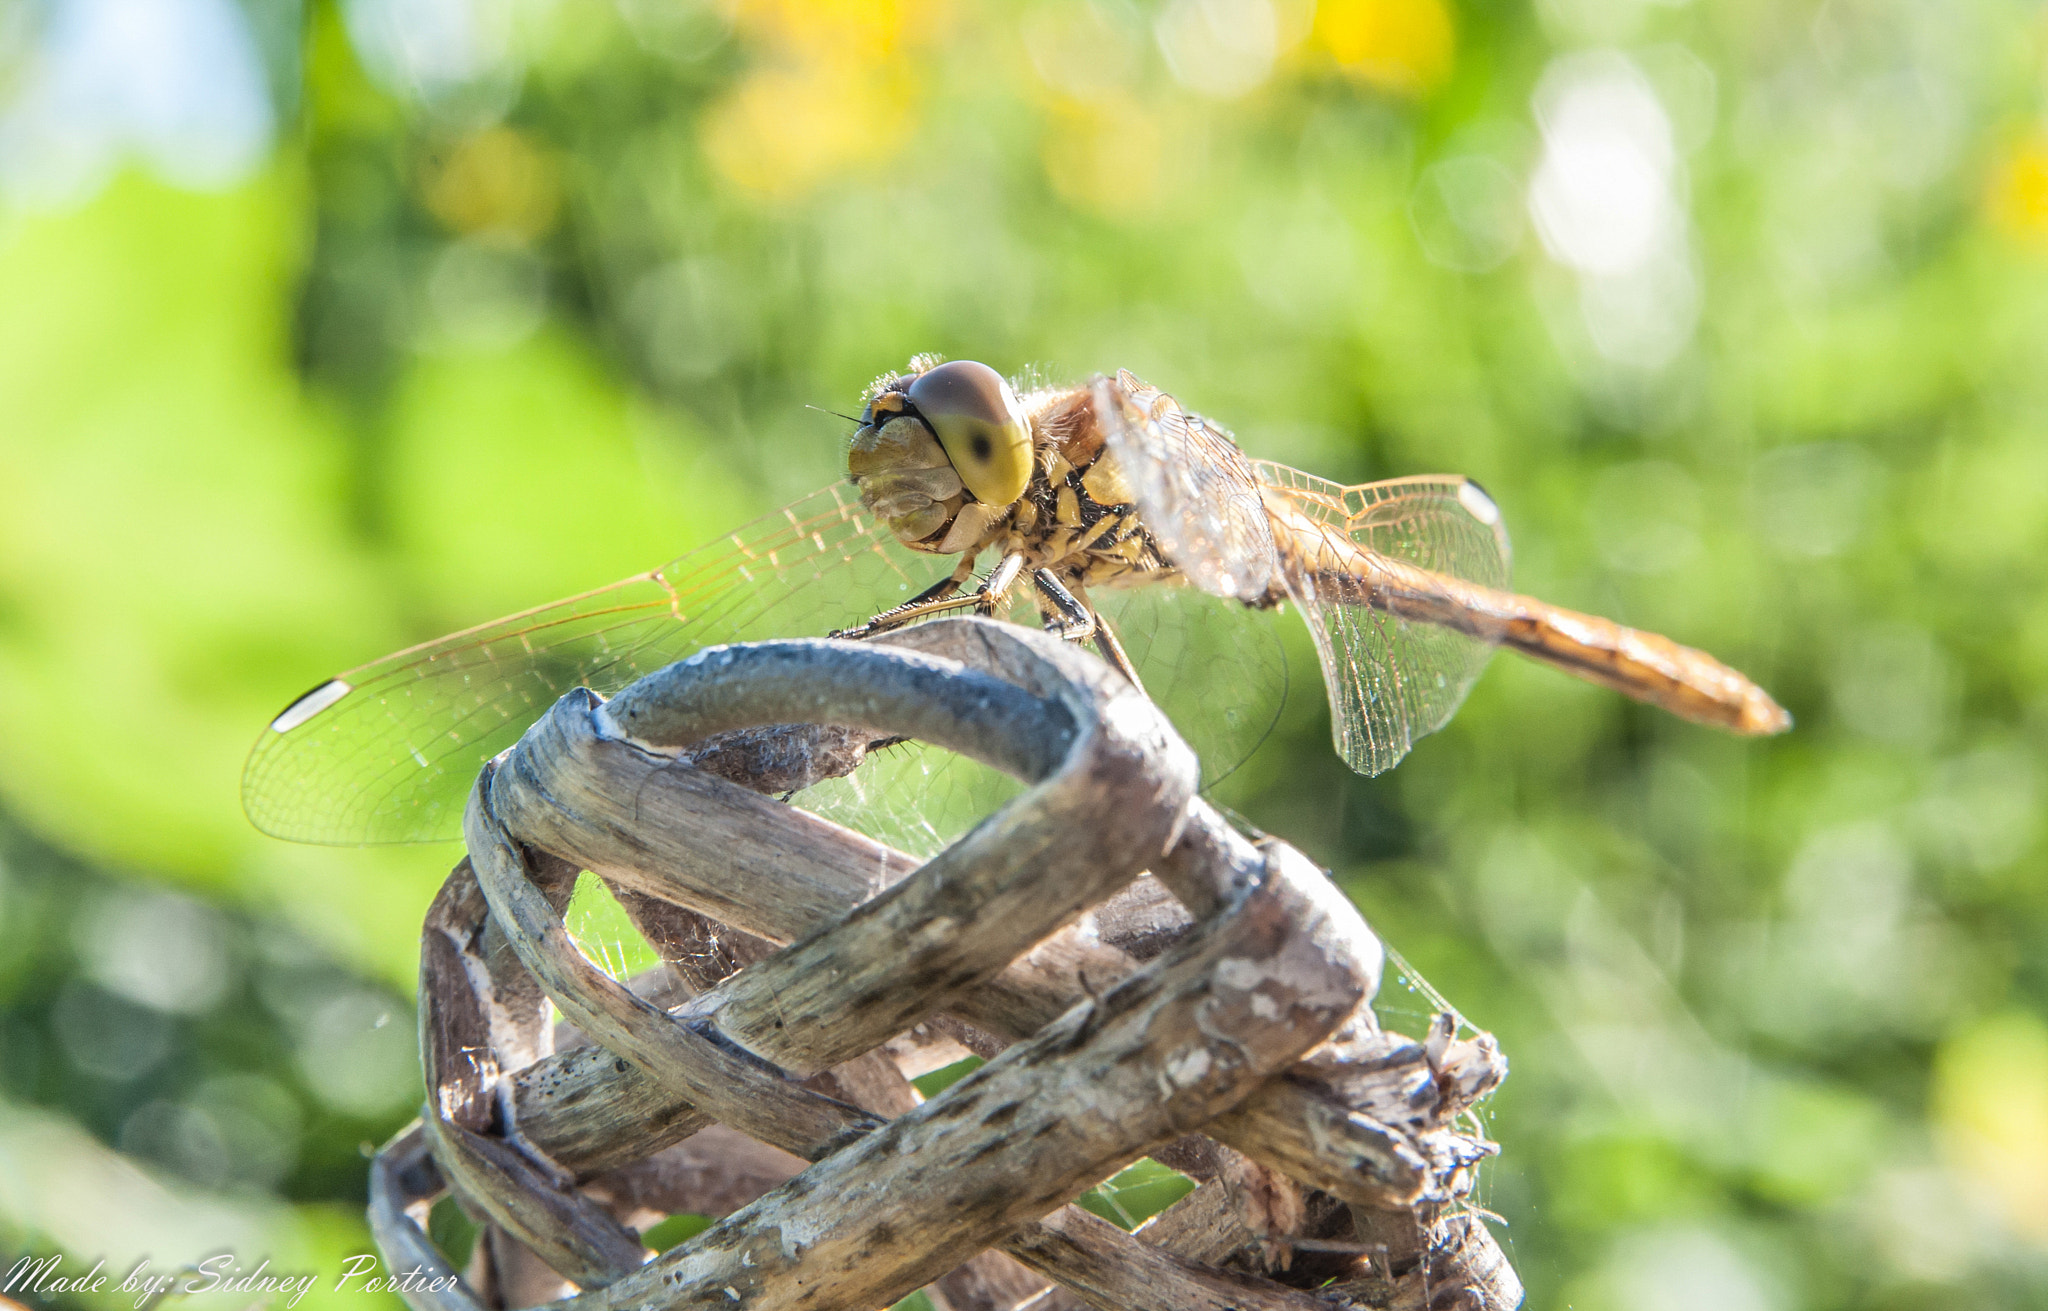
(1269, 962)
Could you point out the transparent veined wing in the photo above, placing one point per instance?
(1216, 666)
(386, 752)
(1242, 528)
(1436, 541)
(1197, 493)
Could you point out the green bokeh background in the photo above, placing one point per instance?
(1740, 311)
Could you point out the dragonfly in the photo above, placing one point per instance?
(1104, 510)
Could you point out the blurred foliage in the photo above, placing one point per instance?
(1740, 311)
(245, 1073)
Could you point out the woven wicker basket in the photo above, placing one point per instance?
(1213, 1013)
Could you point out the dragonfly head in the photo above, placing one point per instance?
(936, 441)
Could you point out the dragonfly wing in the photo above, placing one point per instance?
(1215, 666)
(387, 752)
(1196, 492)
(1391, 680)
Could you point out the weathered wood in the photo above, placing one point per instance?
(572, 1108)
(403, 1180)
(718, 1170)
(1111, 809)
(728, 1083)
(698, 949)
(1111, 1248)
(1206, 1225)
(660, 1043)
(504, 1273)
(988, 1281)
(1151, 1059)
(479, 1008)
(1129, 1024)
(1423, 1262)
(1104, 1273)
(1321, 1142)
(460, 1065)
(1022, 725)
(713, 1172)
(573, 1234)
(700, 841)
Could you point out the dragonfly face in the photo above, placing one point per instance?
(1107, 505)
(941, 454)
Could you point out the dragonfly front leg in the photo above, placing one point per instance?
(997, 585)
(939, 597)
(942, 597)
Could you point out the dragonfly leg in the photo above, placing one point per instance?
(936, 599)
(997, 585)
(1112, 651)
(943, 596)
(1076, 621)
(1063, 614)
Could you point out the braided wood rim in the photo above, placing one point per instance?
(1213, 1013)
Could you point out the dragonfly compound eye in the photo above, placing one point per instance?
(976, 418)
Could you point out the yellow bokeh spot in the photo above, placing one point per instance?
(495, 185)
(1403, 46)
(2018, 195)
(1118, 157)
(782, 131)
(833, 90)
(834, 31)
(1991, 1114)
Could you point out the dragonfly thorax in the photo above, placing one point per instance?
(1069, 509)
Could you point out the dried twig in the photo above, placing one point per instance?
(1114, 1056)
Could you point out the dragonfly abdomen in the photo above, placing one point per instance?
(1651, 668)
(1647, 666)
